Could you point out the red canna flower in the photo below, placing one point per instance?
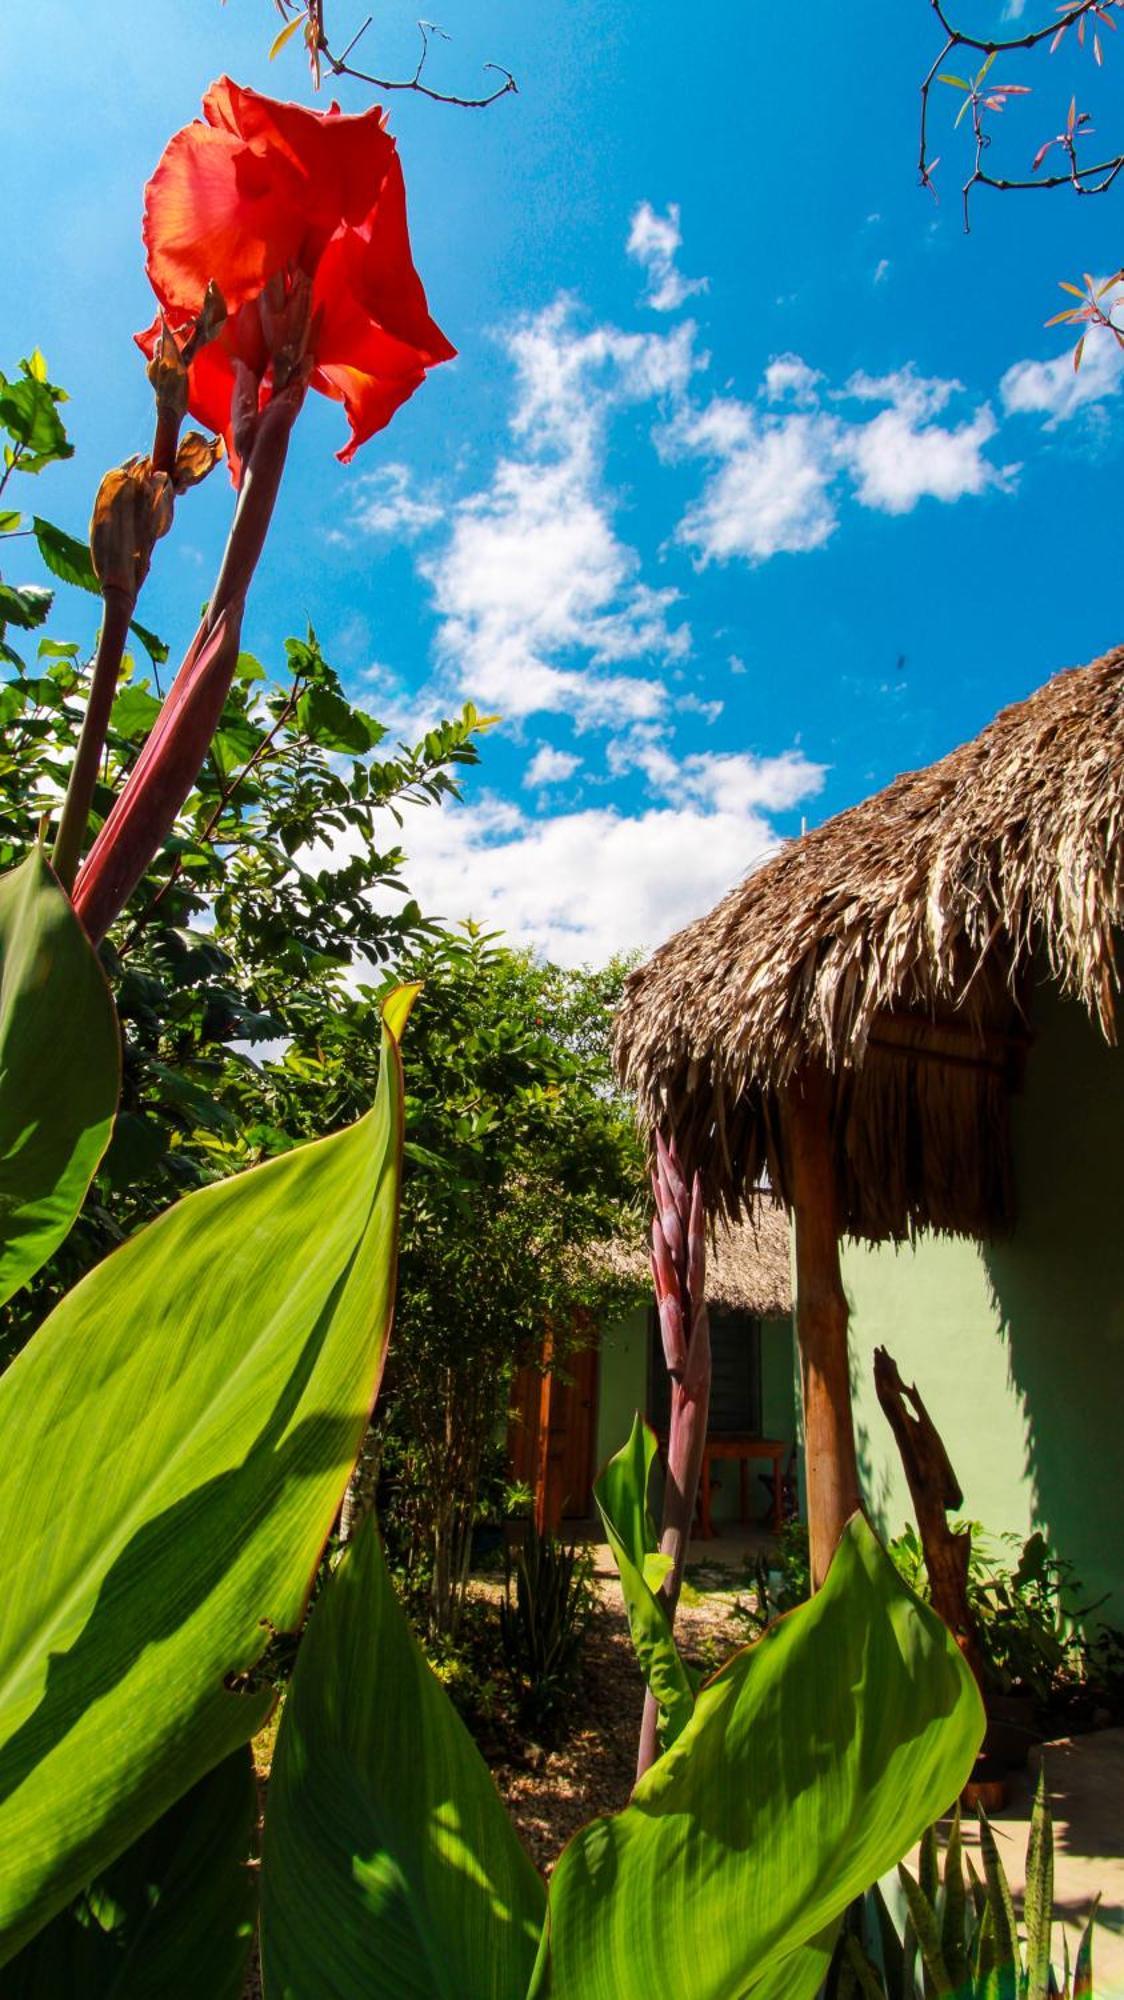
(264, 198)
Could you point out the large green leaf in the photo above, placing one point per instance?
(171, 1919)
(621, 1493)
(811, 1763)
(60, 1069)
(174, 1444)
(390, 1867)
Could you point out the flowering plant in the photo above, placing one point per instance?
(278, 250)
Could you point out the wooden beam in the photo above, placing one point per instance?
(830, 1462)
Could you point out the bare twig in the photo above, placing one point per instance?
(322, 56)
(983, 96)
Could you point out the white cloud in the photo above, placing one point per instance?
(881, 270)
(770, 491)
(536, 591)
(549, 766)
(1055, 390)
(384, 503)
(583, 886)
(788, 375)
(778, 476)
(725, 781)
(655, 240)
(898, 465)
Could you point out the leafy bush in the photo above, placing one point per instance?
(544, 1623)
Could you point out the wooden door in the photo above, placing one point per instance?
(552, 1436)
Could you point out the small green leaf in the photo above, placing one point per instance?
(1006, 1953)
(28, 414)
(1083, 1964)
(333, 724)
(25, 605)
(65, 557)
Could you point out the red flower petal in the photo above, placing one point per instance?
(262, 187)
(341, 160)
(381, 272)
(214, 209)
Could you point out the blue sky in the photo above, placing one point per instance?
(756, 480)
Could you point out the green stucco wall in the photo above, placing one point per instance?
(623, 1388)
(1018, 1347)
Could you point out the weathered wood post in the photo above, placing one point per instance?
(830, 1462)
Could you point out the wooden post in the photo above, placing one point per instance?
(831, 1467)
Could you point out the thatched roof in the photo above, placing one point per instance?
(748, 1265)
(897, 945)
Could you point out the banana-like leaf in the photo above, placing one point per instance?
(390, 1867)
(621, 1493)
(171, 1919)
(811, 1764)
(60, 1069)
(174, 1444)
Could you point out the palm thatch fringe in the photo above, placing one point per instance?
(748, 1265)
(897, 946)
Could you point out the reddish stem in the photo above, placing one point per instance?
(679, 1272)
(71, 836)
(162, 778)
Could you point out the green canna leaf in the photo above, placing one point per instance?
(60, 1069)
(391, 1868)
(171, 1919)
(621, 1493)
(174, 1445)
(811, 1763)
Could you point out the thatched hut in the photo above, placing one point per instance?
(569, 1420)
(855, 1021)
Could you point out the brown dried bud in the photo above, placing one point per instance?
(286, 321)
(196, 457)
(133, 508)
(168, 376)
(210, 323)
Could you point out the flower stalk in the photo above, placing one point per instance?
(678, 1259)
